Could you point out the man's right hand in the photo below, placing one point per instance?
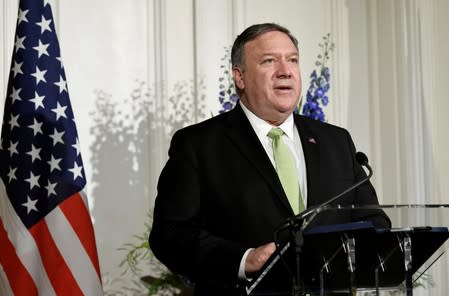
(257, 258)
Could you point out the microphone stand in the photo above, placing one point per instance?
(298, 223)
(297, 240)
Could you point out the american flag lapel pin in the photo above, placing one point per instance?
(312, 140)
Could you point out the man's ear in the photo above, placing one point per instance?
(237, 74)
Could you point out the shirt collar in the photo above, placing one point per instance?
(262, 127)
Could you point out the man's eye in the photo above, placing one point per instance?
(268, 61)
(294, 60)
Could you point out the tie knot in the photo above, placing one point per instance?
(275, 132)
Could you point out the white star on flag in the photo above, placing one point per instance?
(57, 137)
(16, 69)
(76, 170)
(13, 122)
(59, 111)
(54, 163)
(30, 205)
(39, 75)
(19, 43)
(62, 84)
(38, 101)
(22, 16)
(44, 24)
(36, 126)
(33, 180)
(60, 61)
(34, 153)
(15, 95)
(51, 188)
(13, 148)
(12, 174)
(77, 147)
(41, 49)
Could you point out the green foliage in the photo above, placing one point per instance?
(327, 47)
(137, 252)
(138, 255)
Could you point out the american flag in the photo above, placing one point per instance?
(47, 243)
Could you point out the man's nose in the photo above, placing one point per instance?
(284, 70)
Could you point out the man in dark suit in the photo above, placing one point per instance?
(220, 196)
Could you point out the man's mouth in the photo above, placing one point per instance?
(283, 88)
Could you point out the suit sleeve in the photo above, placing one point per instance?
(179, 238)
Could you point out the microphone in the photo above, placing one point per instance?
(362, 159)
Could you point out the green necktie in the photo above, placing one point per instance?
(285, 167)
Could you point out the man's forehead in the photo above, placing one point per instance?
(271, 48)
(272, 40)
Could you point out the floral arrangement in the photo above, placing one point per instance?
(319, 84)
(227, 95)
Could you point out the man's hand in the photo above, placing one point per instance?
(257, 258)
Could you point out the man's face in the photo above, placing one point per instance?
(270, 77)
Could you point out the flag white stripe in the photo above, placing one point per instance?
(24, 244)
(86, 204)
(5, 288)
(84, 198)
(73, 252)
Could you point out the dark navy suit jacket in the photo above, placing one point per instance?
(219, 195)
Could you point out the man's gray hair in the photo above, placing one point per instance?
(251, 33)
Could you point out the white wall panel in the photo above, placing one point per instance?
(104, 46)
(441, 31)
(8, 12)
(358, 113)
(214, 32)
(383, 93)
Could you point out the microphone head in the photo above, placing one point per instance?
(362, 159)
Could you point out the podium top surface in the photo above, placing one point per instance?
(401, 215)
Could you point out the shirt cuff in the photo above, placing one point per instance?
(242, 274)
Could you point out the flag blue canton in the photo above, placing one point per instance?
(40, 157)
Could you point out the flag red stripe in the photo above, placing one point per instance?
(19, 279)
(77, 214)
(57, 270)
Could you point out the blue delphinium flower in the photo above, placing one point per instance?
(319, 84)
(227, 95)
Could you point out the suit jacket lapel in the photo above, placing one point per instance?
(310, 145)
(243, 136)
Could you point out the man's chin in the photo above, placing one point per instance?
(279, 117)
(286, 102)
(286, 110)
